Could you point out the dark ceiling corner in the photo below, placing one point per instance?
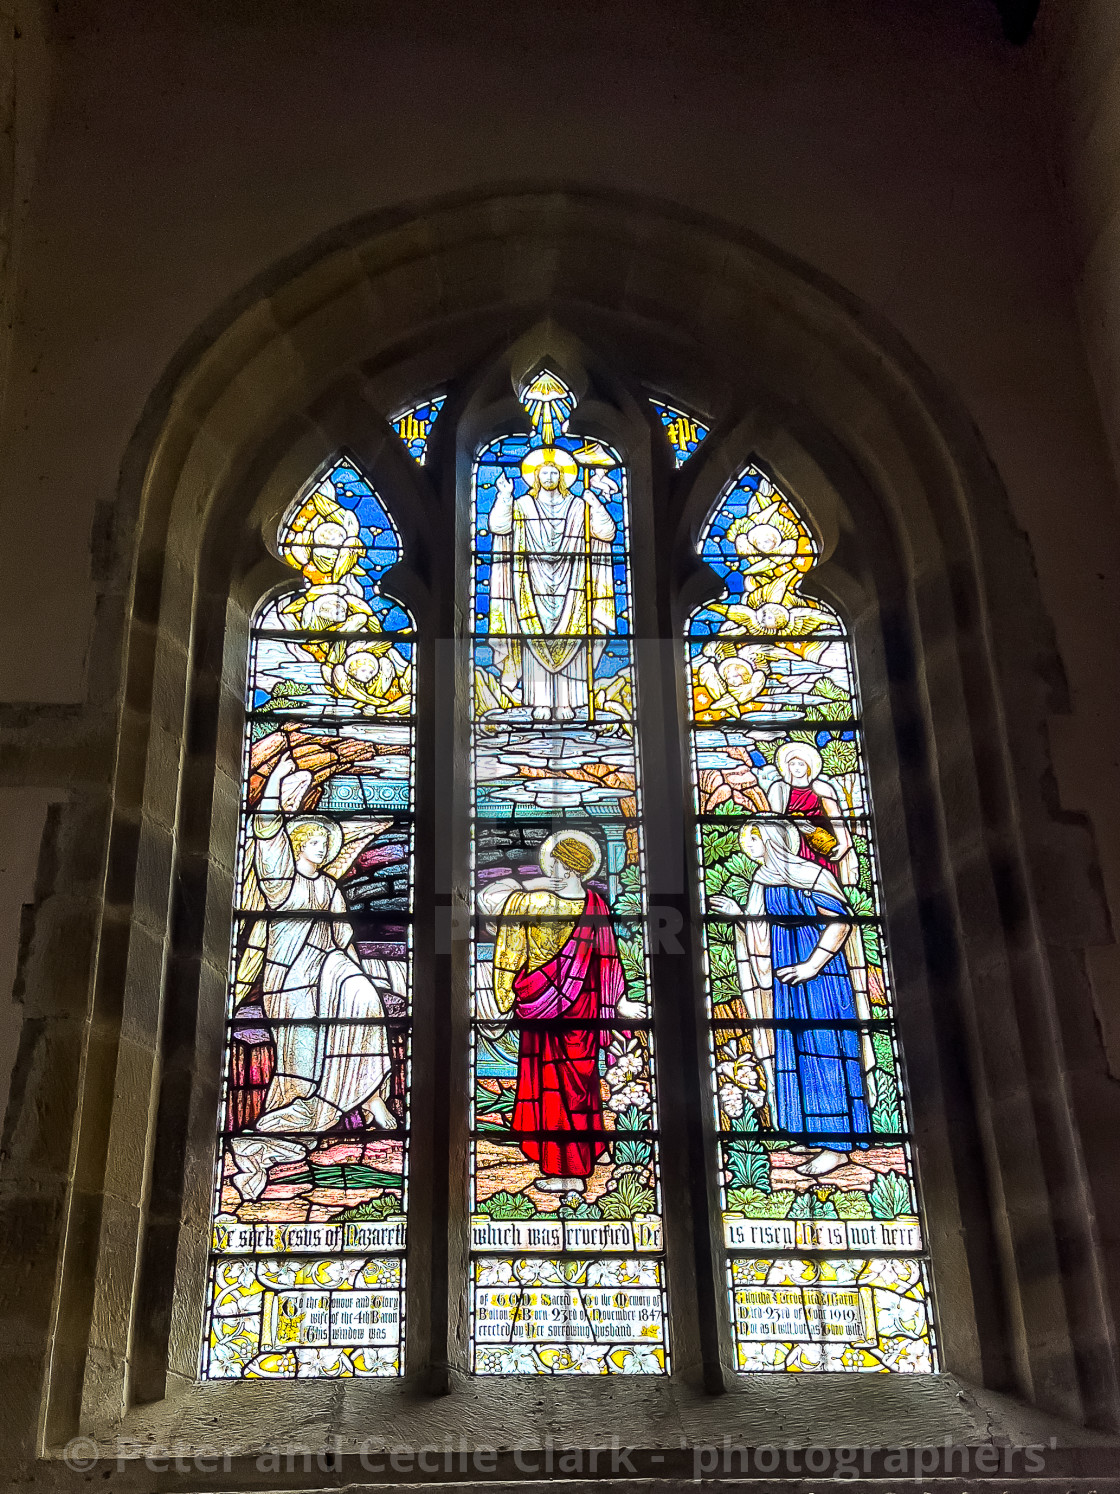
(1018, 18)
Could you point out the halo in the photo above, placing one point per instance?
(804, 751)
(569, 467)
(547, 847)
(334, 833)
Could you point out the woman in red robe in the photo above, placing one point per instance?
(809, 801)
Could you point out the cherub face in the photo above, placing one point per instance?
(362, 667)
(330, 536)
(772, 617)
(765, 538)
(328, 543)
(736, 672)
(329, 609)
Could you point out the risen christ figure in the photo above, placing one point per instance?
(557, 972)
(551, 591)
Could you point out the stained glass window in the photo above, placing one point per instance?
(685, 432)
(307, 1260)
(825, 1250)
(567, 1274)
(414, 425)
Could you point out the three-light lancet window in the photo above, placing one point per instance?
(566, 1271)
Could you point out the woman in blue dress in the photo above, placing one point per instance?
(800, 960)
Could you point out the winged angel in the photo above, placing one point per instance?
(324, 1005)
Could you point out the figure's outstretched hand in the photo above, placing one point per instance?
(723, 904)
(795, 975)
(293, 787)
(504, 486)
(630, 1011)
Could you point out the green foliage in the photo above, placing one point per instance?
(884, 1050)
(506, 1205)
(628, 903)
(866, 885)
(632, 1152)
(731, 877)
(372, 1209)
(628, 1197)
(830, 704)
(288, 692)
(721, 963)
(758, 1205)
(581, 1210)
(860, 902)
(851, 1204)
(815, 1204)
(887, 1114)
(488, 1104)
(747, 1162)
(632, 954)
(785, 1203)
(719, 843)
(839, 757)
(889, 1196)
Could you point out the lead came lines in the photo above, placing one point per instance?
(310, 1213)
(564, 1155)
(826, 1268)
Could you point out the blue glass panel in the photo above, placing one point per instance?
(685, 432)
(565, 1179)
(808, 1098)
(311, 1188)
(414, 425)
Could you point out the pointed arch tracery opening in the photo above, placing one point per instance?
(311, 1193)
(567, 1253)
(826, 1258)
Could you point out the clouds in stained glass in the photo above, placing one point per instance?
(567, 1273)
(310, 1201)
(414, 426)
(826, 1253)
(684, 431)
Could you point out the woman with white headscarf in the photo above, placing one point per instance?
(802, 792)
(800, 959)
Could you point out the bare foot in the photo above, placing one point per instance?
(825, 1161)
(379, 1114)
(559, 1185)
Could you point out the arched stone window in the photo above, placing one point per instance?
(425, 369)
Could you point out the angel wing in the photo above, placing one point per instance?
(251, 962)
(354, 842)
(808, 620)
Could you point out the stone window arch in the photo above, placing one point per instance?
(918, 552)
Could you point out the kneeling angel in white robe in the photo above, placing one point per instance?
(323, 1003)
